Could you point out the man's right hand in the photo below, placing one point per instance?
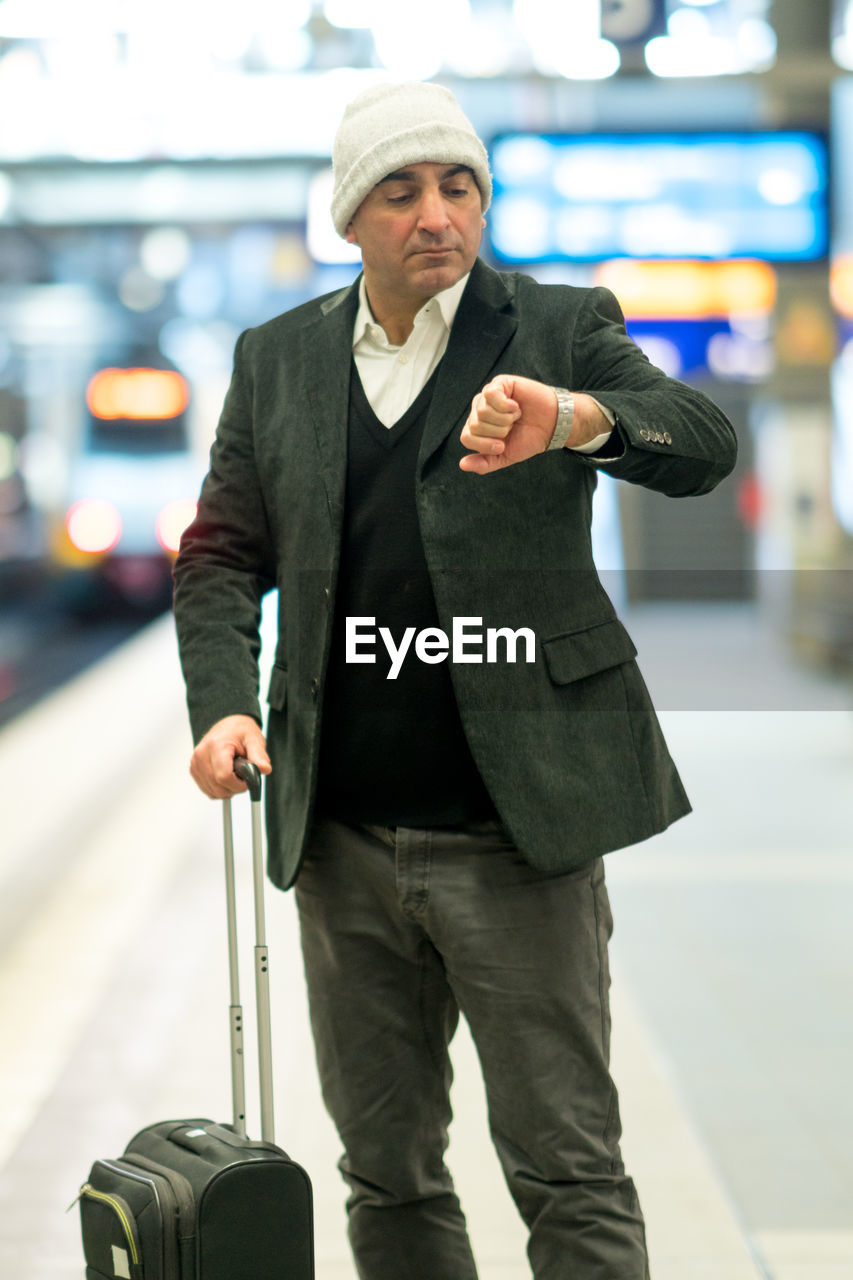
(212, 763)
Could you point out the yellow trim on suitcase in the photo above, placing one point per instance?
(88, 1190)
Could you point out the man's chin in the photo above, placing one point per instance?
(440, 273)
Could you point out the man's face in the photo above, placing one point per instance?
(419, 231)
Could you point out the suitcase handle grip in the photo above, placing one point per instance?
(250, 774)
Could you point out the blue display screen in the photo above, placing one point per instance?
(590, 197)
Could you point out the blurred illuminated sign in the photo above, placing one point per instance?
(140, 394)
(690, 290)
(590, 197)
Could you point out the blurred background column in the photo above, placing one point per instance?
(803, 553)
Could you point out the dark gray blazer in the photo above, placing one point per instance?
(569, 747)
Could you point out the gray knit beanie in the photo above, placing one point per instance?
(392, 125)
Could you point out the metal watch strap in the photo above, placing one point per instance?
(565, 417)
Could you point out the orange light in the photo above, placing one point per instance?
(841, 284)
(690, 290)
(93, 525)
(172, 521)
(137, 393)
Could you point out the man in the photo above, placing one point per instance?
(458, 731)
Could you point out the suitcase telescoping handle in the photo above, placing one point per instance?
(250, 774)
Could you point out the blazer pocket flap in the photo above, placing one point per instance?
(277, 695)
(583, 653)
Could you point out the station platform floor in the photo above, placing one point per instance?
(732, 959)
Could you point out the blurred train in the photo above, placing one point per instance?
(129, 490)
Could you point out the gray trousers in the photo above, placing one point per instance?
(403, 928)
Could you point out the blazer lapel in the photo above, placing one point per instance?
(324, 357)
(483, 326)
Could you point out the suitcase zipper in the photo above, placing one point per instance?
(179, 1187)
(121, 1213)
(179, 1191)
(168, 1205)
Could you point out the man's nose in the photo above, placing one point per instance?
(432, 214)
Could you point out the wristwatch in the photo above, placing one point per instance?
(565, 416)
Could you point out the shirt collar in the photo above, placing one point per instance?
(447, 301)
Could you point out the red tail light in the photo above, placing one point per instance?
(93, 525)
(172, 521)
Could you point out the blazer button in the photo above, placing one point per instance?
(645, 434)
(315, 687)
(667, 438)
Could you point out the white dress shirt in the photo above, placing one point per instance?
(394, 376)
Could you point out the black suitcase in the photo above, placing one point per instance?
(195, 1200)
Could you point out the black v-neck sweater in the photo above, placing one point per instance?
(393, 752)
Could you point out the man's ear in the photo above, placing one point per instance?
(349, 234)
